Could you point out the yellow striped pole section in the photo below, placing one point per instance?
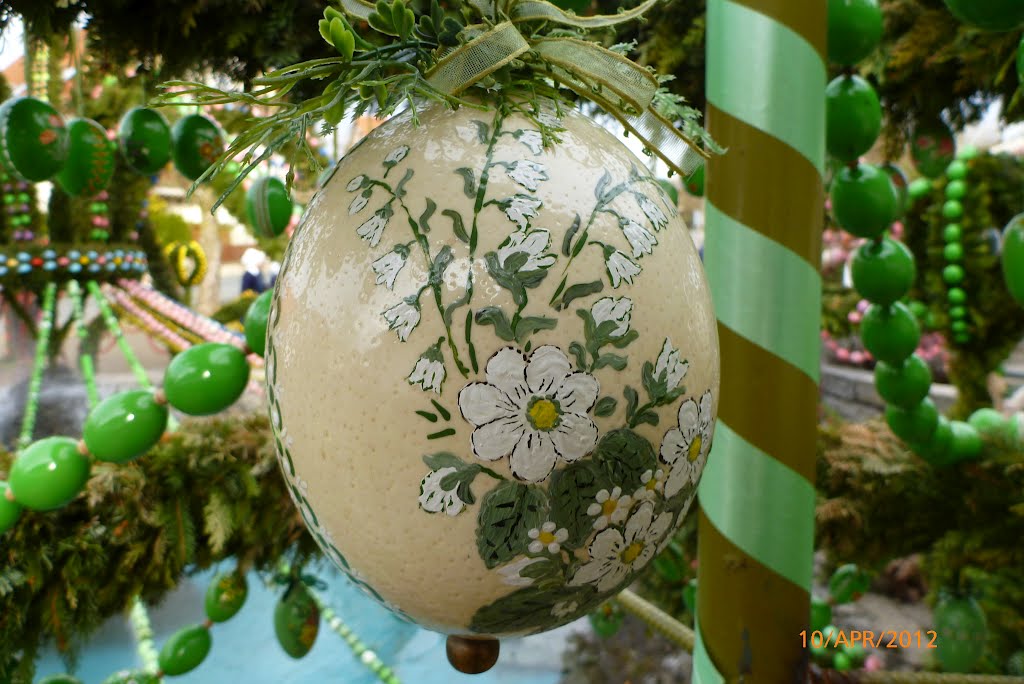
(765, 83)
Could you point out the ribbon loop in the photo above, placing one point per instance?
(588, 62)
(539, 10)
(477, 59)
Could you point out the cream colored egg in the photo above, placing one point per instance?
(493, 368)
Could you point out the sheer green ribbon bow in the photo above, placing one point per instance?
(619, 86)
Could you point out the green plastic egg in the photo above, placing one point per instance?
(854, 29)
(932, 148)
(903, 385)
(936, 449)
(953, 251)
(130, 677)
(296, 621)
(864, 201)
(90, 159)
(1013, 258)
(915, 425)
(671, 190)
(956, 190)
(962, 633)
(694, 184)
(124, 426)
(225, 596)
(989, 423)
(991, 15)
(268, 206)
(899, 182)
(883, 272)
(185, 650)
(196, 143)
(144, 137)
(49, 474)
(848, 583)
(256, 322)
(10, 511)
(853, 117)
(206, 379)
(953, 274)
(33, 139)
(890, 333)
(966, 443)
(821, 613)
(60, 679)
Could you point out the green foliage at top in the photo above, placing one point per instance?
(995, 194)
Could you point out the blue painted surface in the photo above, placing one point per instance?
(245, 648)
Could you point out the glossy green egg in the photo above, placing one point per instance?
(33, 139)
(991, 15)
(185, 650)
(854, 29)
(1013, 258)
(296, 621)
(905, 384)
(144, 137)
(131, 677)
(864, 201)
(49, 474)
(963, 631)
(890, 333)
(90, 159)
(268, 206)
(124, 426)
(196, 143)
(256, 322)
(848, 583)
(936, 449)
(853, 117)
(932, 148)
(915, 425)
(883, 272)
(10, 511)
(225, 596)
(966, 443)
(989, 423)
(694, 183)
(206, 379)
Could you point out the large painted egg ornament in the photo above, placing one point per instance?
(90, 162)
(33, 139)
(493, 369)
(145, 139)
(1012, 257)
(196, 143)
(268, 206)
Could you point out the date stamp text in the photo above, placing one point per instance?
(890, 638)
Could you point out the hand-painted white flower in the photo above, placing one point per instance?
(356, 183)
(527, 173)
(372, 229)
(403, 317)
(434, 498)
(532, 244)
(532, 140)
(388, 266)
(534, 412)
(685, 448)
(652, 211)
(615, 555)
(521, 208)
(396, 155)
(429, 370)
(610, 508)
(640, 239)
(548, 536)
(510, 574)
(614, 309)
(565, 608)
(670, 363)
(652, 482)
(620, 267)
(358, 202)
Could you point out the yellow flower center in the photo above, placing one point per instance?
(609, 506)
(546, 538)
(632, 552)
(652, 484)
(544, 414)
(694, 451)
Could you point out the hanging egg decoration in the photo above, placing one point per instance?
(33, 139)
(296, 620)
(516, 346)
(963, 631)
(144, 137)
(90, 159)
(990, 15)
(1012, 257)
(854, 30)
(932, 148)
(49, 474)
(694, 183)
(268, 206)
(196, 143)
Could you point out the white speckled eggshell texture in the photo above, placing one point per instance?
(548, 486)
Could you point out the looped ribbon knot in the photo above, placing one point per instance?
(616, 84)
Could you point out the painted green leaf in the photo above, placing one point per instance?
(580, 244)
(427, 213)
(483, 131)
(444, 459)
(441, 262)
(647, 416)
(400, 188)
(505, 275)
(567, 241)
(605, 407)
(528, 325)
(507, 514)
(602, 185)
(614, 360)
(580, 290)
(492, 315)
(460, 481)
(625, 340)
(625, 456)
(572, 490)
(457, 225)
(526, 610)
(632, 401)
(544, 572)
(577, 350)
(469, 181)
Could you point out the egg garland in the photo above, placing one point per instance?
(17, 209)
(89, 165)
(268, 206)
(33, 139)
(196, 143)
(99, 217)
(953, 251)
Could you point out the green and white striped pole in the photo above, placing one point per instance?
(765, 79)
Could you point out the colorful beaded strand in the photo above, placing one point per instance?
(39, 365)
(85, 360)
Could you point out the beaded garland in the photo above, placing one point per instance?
(17, 210)
(953, 252)
(32, 266)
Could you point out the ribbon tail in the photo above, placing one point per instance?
(594, 65)
(477, 59)
(539, 10)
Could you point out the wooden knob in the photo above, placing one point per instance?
(472, 655)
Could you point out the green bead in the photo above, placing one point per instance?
(963, 632)
(33, 139)
(955, 295)
(903, 385)
(49, 474)
(196, 143)
(918, 188)
(256, 322)
(854, 30)
(883, 272)
(268, 206)
(206, 379)
(854, 651)
(936, 449)
(959, 326)
(990, 15)
(953, 251)
(1012, 258)
(128, 677)
(932, 148)
(967, 152)
(10, 511)
(225, 596)
(864, 201)
(853, 117)
(952, 210)
(890, 333)
(185, 650)
(953, 274)
(990, 423)
(956, 190)
(144, 137)
(694, 183)
(915, 425)
(848, 583)
(841, 662)
(297, 622)
(957, 170)
(821, 614)
(958, 312)
(90, 159)
(966, 443)
(59, 679)
(962, 338)
(124, 426)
